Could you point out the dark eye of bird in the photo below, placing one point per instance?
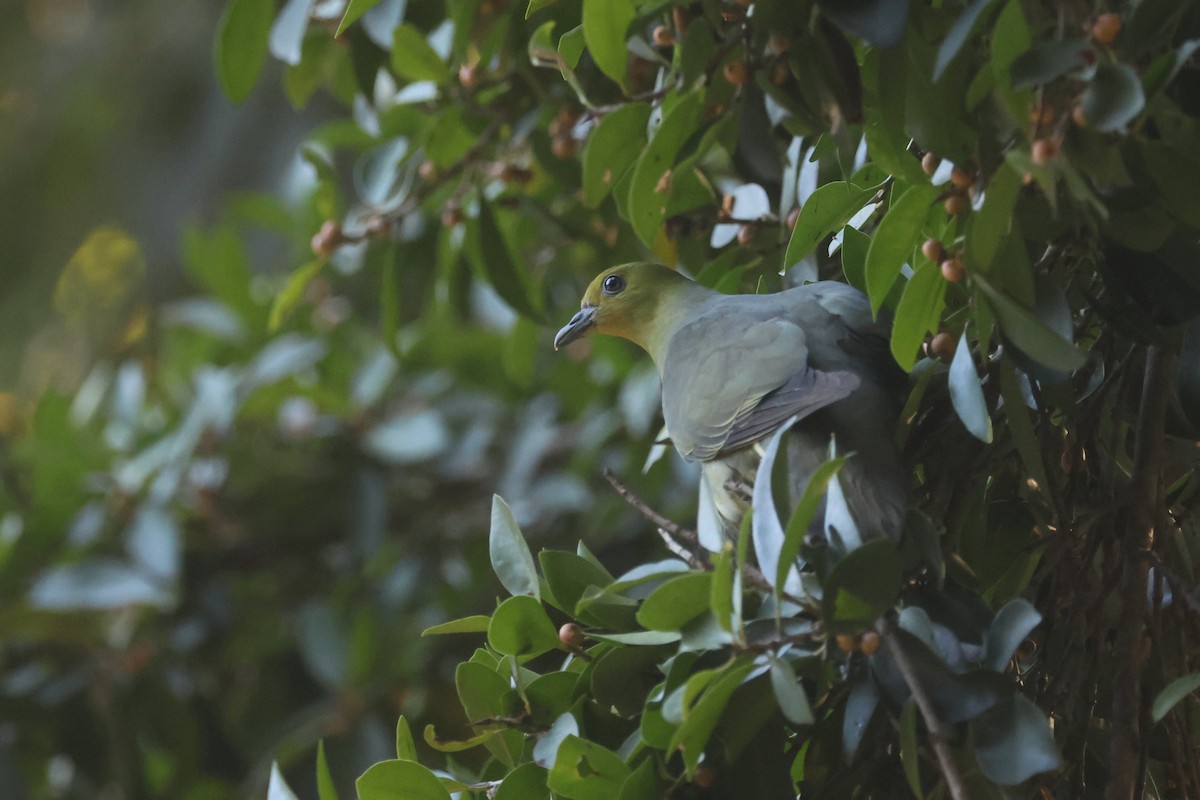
(613, 284)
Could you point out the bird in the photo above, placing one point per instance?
(735, 368)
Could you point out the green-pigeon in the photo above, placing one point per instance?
(734, 368)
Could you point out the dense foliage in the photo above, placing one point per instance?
(224, 543)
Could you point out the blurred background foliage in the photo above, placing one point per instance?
(264, 365)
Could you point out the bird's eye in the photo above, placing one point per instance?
(613, 284)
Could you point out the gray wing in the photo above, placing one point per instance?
(731, 378)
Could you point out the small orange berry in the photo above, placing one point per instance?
(1078, 117)
(930, 163)
(1105, 28)
(1044, 151)
(942, 347)
(792, 216)
(427, 171)
(955, 204)
(663, 36)
(468, 75)
(452, 216)
(869, 644)
(778, 44)
(736, 72)
(563, 147)
(571, 636)
(933, 250)
(961, 177)
(846, 643)
(953, 269)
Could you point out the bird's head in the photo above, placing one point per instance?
(624, 301)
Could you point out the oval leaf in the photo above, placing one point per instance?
(1176, 691)
(966, 394)
(510, 555)
(893, 242)
(520, 627)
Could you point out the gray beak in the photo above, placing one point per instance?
(578, 326)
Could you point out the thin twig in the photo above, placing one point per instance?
(949, 768)
(685, 543)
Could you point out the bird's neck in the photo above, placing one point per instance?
(677, 304)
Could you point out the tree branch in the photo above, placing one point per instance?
(1125, 742)
(945, 759)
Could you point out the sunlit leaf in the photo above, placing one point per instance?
(511, 558)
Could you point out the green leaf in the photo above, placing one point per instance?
(855, 245)
(520, 627)
(918, 312)
(456, 745)
(894, 240)
(492, 254)
(701, 717)
(862, 586)
(994, 221)
(414, 59)
(477, 623)
(793, 702)
(623, 677)
(526, 782)
(1113, 98)
(325, 788)
(1020, 426)
(354, 10)
(1034, 338)
(240, 49)
(400, 780)
(1013, 742)
(292, 293)
(826, 211)
(277, 787)
(604, 25)
(1012, 625)
(814, 491)
(1176, 174)
(406, 748)
(611, 149)
(958, 34)
(639, 638)
(510, 555)
(1048, 60)
(722, 589)
(909, 754)
(649, 188)
(1176, 691)
(676, 602)
(569, 575)
(536, 6)
(482, 692)
(584, 770)
(879, 22)
(966, 393)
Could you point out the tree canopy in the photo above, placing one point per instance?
(351, 482)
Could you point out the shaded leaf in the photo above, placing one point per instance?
(958, 34)
(1029, 333)
(909, 756)
(584, 770)
(1175, 693)
(1013, 742)
(1048, 60)
(1113, 98)
(919, 312)
(862, 586)
(860, 707)
(879, 22)
(676, 602)
(793, 702)
(1012, 625)
(966, 393)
